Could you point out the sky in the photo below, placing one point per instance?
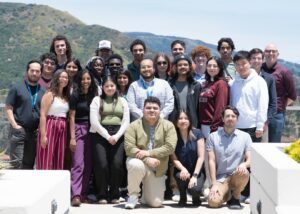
(252, 23)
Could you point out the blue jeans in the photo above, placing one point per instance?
(276, 126)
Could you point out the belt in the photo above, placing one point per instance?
(56, 118)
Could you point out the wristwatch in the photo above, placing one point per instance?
(195, 175)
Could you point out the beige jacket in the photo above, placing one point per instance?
(137, 137)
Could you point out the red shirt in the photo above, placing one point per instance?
(212, 100)
(285, 85)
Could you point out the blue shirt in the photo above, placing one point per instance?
(187, 153)
(229, 150)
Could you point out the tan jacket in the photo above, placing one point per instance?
(137, 137)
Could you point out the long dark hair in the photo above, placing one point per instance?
(77, 63)
(54, 85)
(191, 135)
(220, 64)
(93, 89)
(103, 96)
(126, 73)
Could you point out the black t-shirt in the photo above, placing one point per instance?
(80, 103)
(25, 114)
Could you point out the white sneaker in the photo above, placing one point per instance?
(131, 202)
(247, 200)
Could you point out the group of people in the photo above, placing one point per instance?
(191, 118)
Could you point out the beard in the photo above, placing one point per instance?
(32, 80)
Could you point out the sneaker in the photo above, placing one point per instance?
(245, 199)
(115, 201)
(131, 202)
(234, 204)
(102, 201)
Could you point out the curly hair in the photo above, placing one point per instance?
(201, 49)
(68, 46)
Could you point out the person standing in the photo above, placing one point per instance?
(61, 47)
(256, 61)
(225, 49)
(249, 94)
(138, 50)
(80, 143)
(148, 86)
(109, 117)
(22, 107)
(49, 66)
(148, 143)
(213, 98)
(200, 55)
(285, 89)
(52, 136)
(186, 89)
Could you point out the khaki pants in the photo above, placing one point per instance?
(153, 187)
(233, 185)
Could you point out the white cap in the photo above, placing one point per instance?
(105, 44)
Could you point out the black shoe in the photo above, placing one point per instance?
(196, 201)
(168, 195)
(182, 202)
(234, 204)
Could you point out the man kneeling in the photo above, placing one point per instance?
(148, 143)
(228, 159)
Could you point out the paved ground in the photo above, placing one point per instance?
(170, 207)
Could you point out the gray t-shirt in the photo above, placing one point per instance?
(229, 150)
(182, 88)
(152, 137)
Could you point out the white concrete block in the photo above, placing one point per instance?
(260, 201)
(277, 174)
(33, 191)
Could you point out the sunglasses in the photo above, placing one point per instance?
(162, 63)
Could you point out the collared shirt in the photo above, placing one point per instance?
(229, 151)
(200, 78)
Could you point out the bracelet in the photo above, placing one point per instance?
(195, 175)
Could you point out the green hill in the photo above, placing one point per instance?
(27, 31)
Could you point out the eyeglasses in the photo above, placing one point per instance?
(49, 62)
(162, 63)
(271, 51)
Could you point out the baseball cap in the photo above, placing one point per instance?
(104, 44)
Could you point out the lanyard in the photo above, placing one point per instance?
(147, 87)
(32, 96)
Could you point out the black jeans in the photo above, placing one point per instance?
(183, 185)
(22, 148)
(108, 167)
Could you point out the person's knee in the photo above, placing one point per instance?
(214, 202)
(135, 164)
(156, 202)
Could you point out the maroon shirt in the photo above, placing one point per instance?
(212, 100)
(285, 85)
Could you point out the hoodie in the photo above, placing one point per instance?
(250, 97)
